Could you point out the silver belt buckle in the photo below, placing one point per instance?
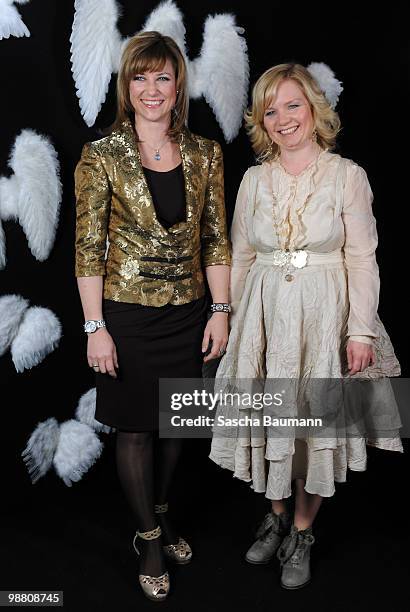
(280, 257)
(298, 259)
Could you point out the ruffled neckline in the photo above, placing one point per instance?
(306, 170)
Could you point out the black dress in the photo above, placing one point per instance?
(151, 342)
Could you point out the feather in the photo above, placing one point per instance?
(33, 194)
(95, 50)
(221, 72)
(11, 24)
(12, 309)
(86, 410)
(2, 244)
(9, 197)
(327, 81)
(38, 335)
(41, 446)
(168, 20)
(78, 449)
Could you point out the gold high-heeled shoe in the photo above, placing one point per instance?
(180, 552)
(155, 588)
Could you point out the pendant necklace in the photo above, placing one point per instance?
(157, 155)
(287, 256)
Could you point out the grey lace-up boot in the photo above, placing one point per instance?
(270, 534)
(294, 557)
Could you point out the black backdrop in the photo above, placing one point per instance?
(369, 51)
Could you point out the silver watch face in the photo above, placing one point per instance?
(90, 327)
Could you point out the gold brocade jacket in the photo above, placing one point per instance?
(118, 234)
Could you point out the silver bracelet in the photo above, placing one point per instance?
(220, 307)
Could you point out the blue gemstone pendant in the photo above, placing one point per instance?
(157, 156)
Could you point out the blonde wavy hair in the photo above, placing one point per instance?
(148, 52)
(326, 120)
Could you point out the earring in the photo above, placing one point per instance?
(174, 115)
(314, 135)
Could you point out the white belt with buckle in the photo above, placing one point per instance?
(299, 258)
(291, 260)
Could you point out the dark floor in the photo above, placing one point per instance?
(78, 540)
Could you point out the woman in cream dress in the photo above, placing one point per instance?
(304, 296)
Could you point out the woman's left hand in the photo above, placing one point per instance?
(217, 331)
(359, 356)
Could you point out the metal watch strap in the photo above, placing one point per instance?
(92, 325)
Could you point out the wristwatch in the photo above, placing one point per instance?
(91, 326)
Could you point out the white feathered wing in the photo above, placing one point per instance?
(85, 412)
(41, 446)
(78, 449)
(221, 72)
(11, 24)
(38, 335)
(328, 83)
(32, 195)
(95, 51)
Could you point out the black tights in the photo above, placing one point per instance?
(135, 468)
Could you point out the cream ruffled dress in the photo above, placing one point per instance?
(292, 324)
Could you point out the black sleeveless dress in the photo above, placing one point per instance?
(151, 342)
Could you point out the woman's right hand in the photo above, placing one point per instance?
(101, 351)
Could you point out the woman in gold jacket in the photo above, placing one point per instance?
(150, 221)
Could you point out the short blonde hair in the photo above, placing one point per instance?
(326, 120)
(148, 52)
